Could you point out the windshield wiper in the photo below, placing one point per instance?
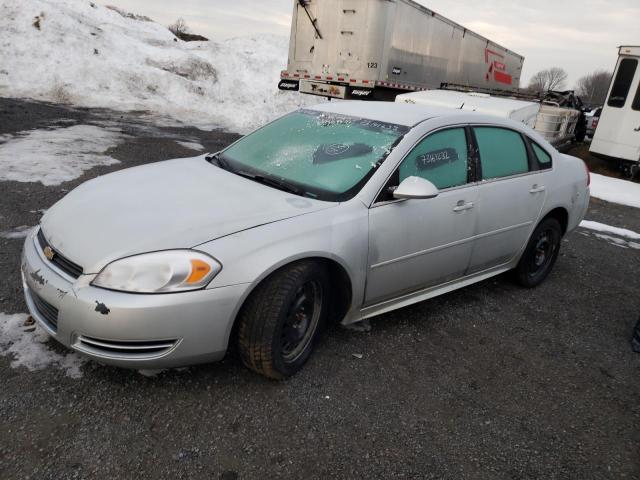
(272, 182)
(217, 160)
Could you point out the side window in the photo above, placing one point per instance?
(544, 159)
(440, 158)
(636, 101)
(502, 152)
(622, 82)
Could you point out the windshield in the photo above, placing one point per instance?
(316, 154)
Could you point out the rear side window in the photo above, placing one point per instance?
(622, 82)
(544, 159)
(440, 158)
(502, 152)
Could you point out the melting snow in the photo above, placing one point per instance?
(625, 242)
(601, 227)
(618, 242)
(18, 232)
(615, 190)
(191, 145)
(85, 54)
(29, 349)
(55, 156)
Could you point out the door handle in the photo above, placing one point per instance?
(537, 188)
(636, 129)
(462, 206)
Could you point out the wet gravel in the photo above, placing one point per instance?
(491, 381)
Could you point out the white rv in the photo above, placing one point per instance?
(617, 136)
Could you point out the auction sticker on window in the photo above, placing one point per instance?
(436, 158)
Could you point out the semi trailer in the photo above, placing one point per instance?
(376, 49)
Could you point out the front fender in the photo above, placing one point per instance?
(338, 234)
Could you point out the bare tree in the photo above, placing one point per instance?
(593, 88)
(179, 28)
(553, 78)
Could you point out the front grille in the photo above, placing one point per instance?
(47, 311)
(67, 266)
(126, 350)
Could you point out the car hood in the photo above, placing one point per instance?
(167, 205)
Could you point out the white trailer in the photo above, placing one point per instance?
(617, 135)
(556, 124)
(367, 49)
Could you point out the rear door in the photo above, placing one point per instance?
(510, 196)
(618, 132)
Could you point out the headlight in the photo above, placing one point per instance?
(159, 272)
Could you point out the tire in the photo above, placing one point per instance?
(540, 255)
(281, 319)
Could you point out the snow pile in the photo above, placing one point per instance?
(55, 156)
(29, 348)
(78, 52)
(615, 190)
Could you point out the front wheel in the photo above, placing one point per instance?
(280, 321)
(540, 255)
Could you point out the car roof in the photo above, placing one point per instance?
(398, 113)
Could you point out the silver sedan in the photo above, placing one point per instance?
(334, 213)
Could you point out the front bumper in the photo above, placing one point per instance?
(124, 329)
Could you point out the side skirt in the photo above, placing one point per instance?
(425, 294)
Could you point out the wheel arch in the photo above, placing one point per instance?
(341, 284)
(561, 214)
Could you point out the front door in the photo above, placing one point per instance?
(415, 244)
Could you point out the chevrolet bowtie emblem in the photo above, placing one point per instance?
(48, 252)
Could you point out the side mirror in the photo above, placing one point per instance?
(415, 187)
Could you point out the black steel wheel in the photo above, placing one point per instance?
(541, 253)
(280, 321)
(301, 321)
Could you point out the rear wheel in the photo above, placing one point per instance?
(279, 323)
(540, 255)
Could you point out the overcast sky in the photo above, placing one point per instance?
(577, 35)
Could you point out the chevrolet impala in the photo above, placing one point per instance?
(333, 213)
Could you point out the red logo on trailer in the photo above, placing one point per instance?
(496, 67)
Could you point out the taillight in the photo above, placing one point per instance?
(594, 124)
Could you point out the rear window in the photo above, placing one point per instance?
(622, 82)
(502, 152)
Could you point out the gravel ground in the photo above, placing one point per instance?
(492, 381)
